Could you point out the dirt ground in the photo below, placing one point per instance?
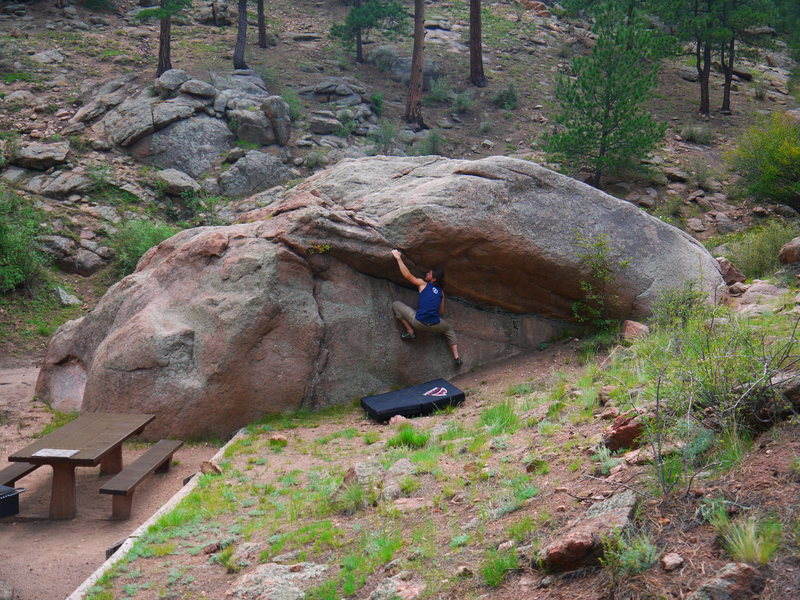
(43, 559)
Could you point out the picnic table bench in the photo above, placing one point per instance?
(14, 471)
(89, 440)
(157, 459)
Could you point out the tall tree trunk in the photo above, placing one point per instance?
(359, 48)
(164, 35)
(727, 68)
(413, 112)
(262, 27)
(703, 61)
(476, 76)
(241, 37)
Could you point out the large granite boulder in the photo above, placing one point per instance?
(291, 307)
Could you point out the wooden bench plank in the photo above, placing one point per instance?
(14, 471)
(157, 459)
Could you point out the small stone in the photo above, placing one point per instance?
(212, 548)
(398, 420)
(464, 571)
(209, 468)
(65, 298)
(738, 288)
(633, 330)
(488, 144)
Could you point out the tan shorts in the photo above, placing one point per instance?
(405, 312)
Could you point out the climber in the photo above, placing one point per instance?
(430, 305)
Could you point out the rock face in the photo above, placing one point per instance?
(291, 307)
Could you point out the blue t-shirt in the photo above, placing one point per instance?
(430, 300)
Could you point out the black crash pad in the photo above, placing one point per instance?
(413, 401)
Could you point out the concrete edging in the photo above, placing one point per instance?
(80, 591)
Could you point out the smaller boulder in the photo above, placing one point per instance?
(255, 171)
(736, 581)
(789, 253)
(730, 274)
(624, 432)
(323, 125)
(671, 561)
(171, 80)
(42, 156)
(633, 330)
(65, 298)
(195, 87)
(176, 182)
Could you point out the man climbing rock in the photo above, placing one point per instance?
(430, 307)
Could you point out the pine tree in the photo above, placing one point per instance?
(476, 75)
(413, 112)
(241, 37)
(164, 13)
(389, 16)
(603, 125)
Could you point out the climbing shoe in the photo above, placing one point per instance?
(408, 336)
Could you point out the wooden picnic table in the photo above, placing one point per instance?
(89, 440)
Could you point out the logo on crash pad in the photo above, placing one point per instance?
(437, 391)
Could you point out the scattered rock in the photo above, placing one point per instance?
(65, 298)
(737, 289)
(398, 420)
(730, 274)
(623, 433)
(49, 57)
(171, 80)
(195, 87)
(406, 505)
(464, 571)
(399, 586)
(323, 125)
(254, 172)
(675, 174)
(671, 561)
(633, 330)
(176, 182)
(581, 544)
(790, 252)
(209, 468)
(695, 224)
(272, 581)
(605, 392)
(736, 581)
(6, 591)
(36, 155)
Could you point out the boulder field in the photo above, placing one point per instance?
(290, 307)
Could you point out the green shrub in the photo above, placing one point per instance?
(497, 565)
(624, 554)
(768, 159)
(755, 252)
(409, 437)
(20, 260)
(440, 93)
(607, 462)
(506, 99)
(292, 98)
(748, 539)
(500, 418)
(384, 136)
(698, 134)
(134, 239)
(9, 147)
(432, 144)
(314, 159)
(376, 102)
(759, 88)
(462, 102)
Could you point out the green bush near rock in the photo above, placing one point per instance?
(768, 159)
(755, 252)
(134, 239)
(20, 260)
